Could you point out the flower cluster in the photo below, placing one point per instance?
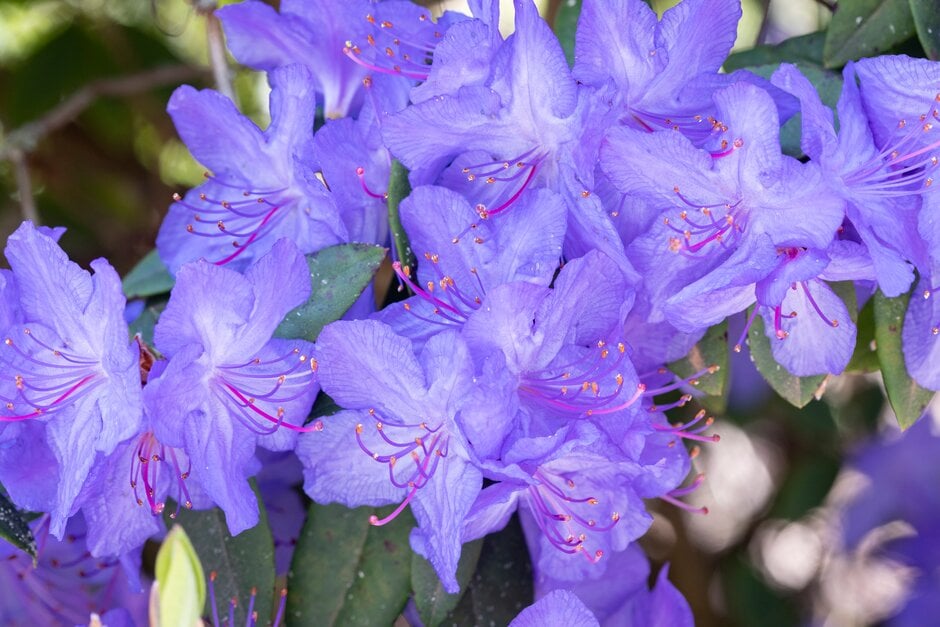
(576, 229)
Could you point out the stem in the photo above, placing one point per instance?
(217, 61)
(24, 186)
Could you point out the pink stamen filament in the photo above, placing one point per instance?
(405, 275)
(673, 496)
(361, 174)
(687, 432)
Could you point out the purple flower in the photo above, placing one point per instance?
(580, 496)
(454, 277)
(228, 386)
(881, 183)
(341, 45)
(262, 186)
(69, 379)
(402, 437)
(309, 32)
(735, 218)
(901, 478)
(66, 584)
(527, 125)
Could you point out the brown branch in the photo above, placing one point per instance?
(24, 139)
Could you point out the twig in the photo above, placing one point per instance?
(24, 186)
(24, 139)
(217, 61)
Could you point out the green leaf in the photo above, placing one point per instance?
(241, 563)
(803, 50)
(866, 28)
(338, 275)
(432, 601)
(14, 529)
(566, 24)
(927, 23)
(148, 278)
(865, 358)
(398, 190)
(798, 391)
(502, 585)
(346, 571)
(181, 583)
(711, 352)
(907, 399)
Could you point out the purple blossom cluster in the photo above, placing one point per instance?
(575, 229)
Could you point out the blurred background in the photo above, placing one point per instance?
(85, 143)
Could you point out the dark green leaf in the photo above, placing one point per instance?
(502, 585)
(798, 391)
(865, 359)
(805, 49)
(566, 24)
(432, 601)
(148, 278)
(338, 275)
(398, 189)
(711, 352)
(908, 400)
(241, 562)
(323, 406)
(14, 529)
(865, 28)
(346, 571)
(927, 23)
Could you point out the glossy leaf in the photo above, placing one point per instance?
(14, 528)
(432, 601)
(502, 585)
(398, 188)
(709, 352)
(865, 28)
(798, 391)
(566, 24)
(927, 23)
(803, 50)
(865, 357)
(241, 563)
(338, 275)
(907, 399)
(148, 278)
(346, 571)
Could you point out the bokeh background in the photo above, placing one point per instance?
(85, 143)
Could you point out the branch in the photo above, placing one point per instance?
(216, 44)
(24, 186)
(24, 139)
